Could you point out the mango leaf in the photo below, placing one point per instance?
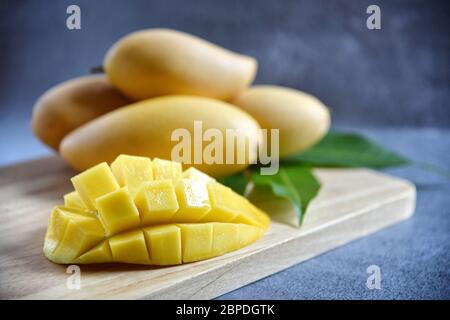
(348, 150)
(285, 195)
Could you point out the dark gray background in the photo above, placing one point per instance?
(399, 75)
(392, 85)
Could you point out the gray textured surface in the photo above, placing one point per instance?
(399, 75)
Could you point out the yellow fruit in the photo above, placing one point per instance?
(157, 202)
(73, 200)
(165, 223)
(71, 104)
(145, 129)
(156, 62)
(117, 212)
(93, 183)
(132, 171)
(165, 169)
(301, 118)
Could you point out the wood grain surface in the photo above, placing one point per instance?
(351, 204)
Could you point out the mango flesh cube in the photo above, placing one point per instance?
(73, 233)
(197, 240)
(193, 200)
(93, 183)
(194, 174)
(165, 169)
(248, 234)
(248, 214)
(170, 217)
(221, 198)
(225, 238)
(117, 211)
(55, 231)
(73, 200)
(132, 171)
(78, 237)
(99, 254)
(157, 202)
(129, 247)
(165, 244)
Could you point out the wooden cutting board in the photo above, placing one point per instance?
(352, 203)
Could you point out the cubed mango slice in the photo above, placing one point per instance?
(157, 202)
(221, 199)
(73, 200)
(132, 171)
(165, 169)
(99, 254)
(117, 211)
(194, 174)
(225, 238)
(72, 234)
(171, 217)
(197, 241)
(95, 182)
(164, 243)
(193, 200)
(130, 247)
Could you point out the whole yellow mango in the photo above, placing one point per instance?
(145, 129)
(156, 62)
(301, 118)
(71, 104)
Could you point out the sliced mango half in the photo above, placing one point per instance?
(149, 212)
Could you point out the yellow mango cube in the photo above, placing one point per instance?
(165, 244)
(248, 213)
(55, 230)
(193, 200)
(165, 169)
(226, 238)
(132, 171)
(75, 233)
(129, 247)
(196, 241)
(73, 200)
(156, 202)
(99, 254)
(248, 234)
(221, 199)
(93, 183)
(117, 211)
(194, 174)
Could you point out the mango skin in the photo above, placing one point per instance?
(71, 104)
(301, 118)
(155, 62)
(145, 128)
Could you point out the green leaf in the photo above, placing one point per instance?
(285, 195)
(348, 150)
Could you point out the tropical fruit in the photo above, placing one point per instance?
(71, 104)
(156, 62)
(302, 119)
(155, 127)
(149, 212)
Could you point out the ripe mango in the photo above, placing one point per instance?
(145, 129)
(156, 62)
(71, 104)
(186, 218)
(301, 118)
